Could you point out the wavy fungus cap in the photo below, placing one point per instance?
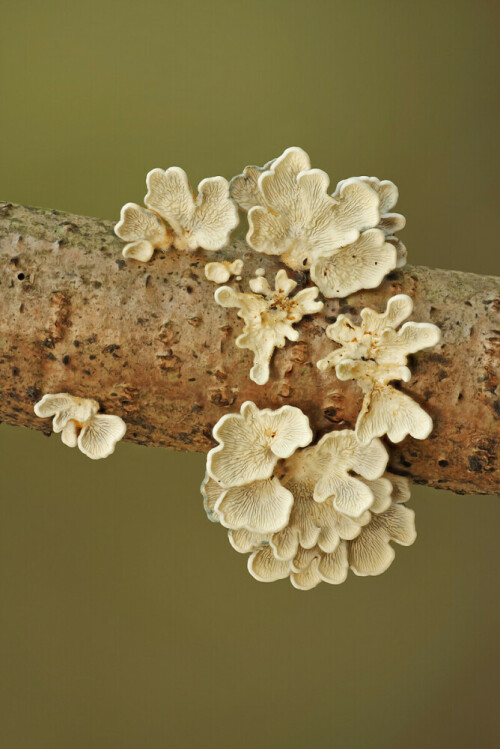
(239, 489)
(338, 455)
(79, 423)
(144, 232)
(390, 222)
(269, 317)
(244, 188)
(206, 222)
(251, 442)
(374, 353)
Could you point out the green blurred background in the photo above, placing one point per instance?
(126, 620)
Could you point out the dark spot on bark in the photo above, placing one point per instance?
(111, 348)
(185, 437)
(196, 409)
(496, 407)
(330, 318)
(21, 276)
(475, 464)
(443, 463)
(427, 394)
(469, 304)
(392, 276)
(437, 358)
(51, 356)
(442, 375)
(92, 339)
(404, 462)
(15, 371)
(97, 284)
(121, 263)
(189, 289)
(223, 398)
(69, 227)
(460, 396)
(192, 379)
(92, 357)
(147, 281)
(76, 344)
(65, 359)
(14, 261)
(33, 393)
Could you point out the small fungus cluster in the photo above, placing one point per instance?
(301, 511)
(345, 241)
(374, 354)
(269, 316)
(78, 422)
(341, 238)
(173, 217)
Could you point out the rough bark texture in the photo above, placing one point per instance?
(150, 344)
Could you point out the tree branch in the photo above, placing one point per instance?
(150, 343)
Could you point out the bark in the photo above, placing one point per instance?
(151, 345)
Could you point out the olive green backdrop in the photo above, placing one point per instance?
(126, 620)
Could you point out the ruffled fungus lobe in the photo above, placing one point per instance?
(206, 222)
(374, 353)
(332, 236)
(390, 222)
(363, 545)
(269, 317)
(305, 516)
(244, 188)
(240, 489)
(222, 272)
(144, 232)
(78, 422)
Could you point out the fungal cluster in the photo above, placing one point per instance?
(78, 422)
(173, 217)
(302, 507)
(307, 512)
(269, 316)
